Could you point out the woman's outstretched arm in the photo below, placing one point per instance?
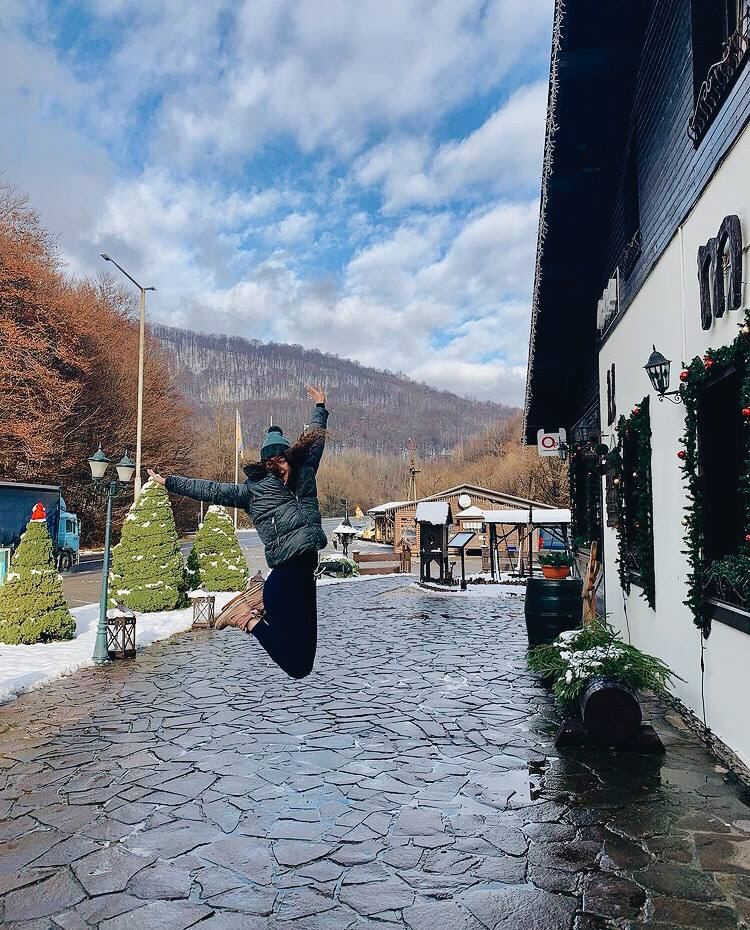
(317, 423)
(201, 489)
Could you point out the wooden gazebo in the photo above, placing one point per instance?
(502, 525)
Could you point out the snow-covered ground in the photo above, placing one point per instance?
(480, 590)
(325, 580)
(24, 667)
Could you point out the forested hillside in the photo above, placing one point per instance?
(376, 411)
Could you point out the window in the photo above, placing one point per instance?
(636, 519)
(585, 495)
(720, 457)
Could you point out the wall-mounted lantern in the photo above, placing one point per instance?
(657, 368)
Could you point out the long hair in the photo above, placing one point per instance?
(296, 455)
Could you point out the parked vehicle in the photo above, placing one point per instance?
(17, 500)
(552, 538)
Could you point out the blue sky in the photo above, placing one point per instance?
(358, 177)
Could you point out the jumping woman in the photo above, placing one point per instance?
(281, 497)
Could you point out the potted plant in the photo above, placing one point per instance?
(556, 564)
(597, 675)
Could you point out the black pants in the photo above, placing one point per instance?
(290, 631)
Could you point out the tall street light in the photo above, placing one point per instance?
(139, 424)
(109, 488)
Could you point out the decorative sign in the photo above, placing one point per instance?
(549, 443)
(608, 305)
(4, 564)
(460, 540)
(720, 272)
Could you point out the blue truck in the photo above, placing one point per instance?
(17, 500)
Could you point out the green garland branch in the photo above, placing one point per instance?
(635, 530)
(729, 574)
(584, 475)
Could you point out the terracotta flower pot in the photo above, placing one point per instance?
(555, 573)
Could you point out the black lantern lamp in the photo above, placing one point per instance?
(115, 637)
(657, 368)
(204, 608)
(121, 633)
(562, 450)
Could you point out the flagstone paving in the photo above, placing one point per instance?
(410, 782)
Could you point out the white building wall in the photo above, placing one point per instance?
(666, 313)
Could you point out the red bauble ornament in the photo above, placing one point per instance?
(746, 412)
(682, 454)
(636, 410)
(684, 374)
(747, 538)
(708, 362)
(38, 512)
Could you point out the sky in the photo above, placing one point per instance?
(356, 176)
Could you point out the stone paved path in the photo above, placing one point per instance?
(410, 782)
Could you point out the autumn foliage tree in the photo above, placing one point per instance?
(69, 353)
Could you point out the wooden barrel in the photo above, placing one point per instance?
(551, 607)
(610, 711)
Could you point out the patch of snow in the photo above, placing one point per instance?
(435, 512)
(325, 580)
(474, 590)
(24, 667)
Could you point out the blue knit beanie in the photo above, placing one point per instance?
(275, 443)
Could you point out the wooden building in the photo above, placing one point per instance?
(641, 261)
(397, 519)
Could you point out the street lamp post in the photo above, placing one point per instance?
(141, 339)
(109, 488)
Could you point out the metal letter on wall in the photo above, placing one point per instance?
(714, 297)
(611, 402)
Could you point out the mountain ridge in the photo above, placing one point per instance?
(378, 411)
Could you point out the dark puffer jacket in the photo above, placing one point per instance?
(286, 516)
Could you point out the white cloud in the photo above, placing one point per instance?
(147, 154)
(503, 155)
(294, 228)
(329, 74)
(441, 300)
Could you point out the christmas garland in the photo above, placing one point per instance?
(635, 531)
(700, 371)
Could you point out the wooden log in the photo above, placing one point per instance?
(610, 711)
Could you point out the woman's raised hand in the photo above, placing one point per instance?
(316, 395)
(153, 476)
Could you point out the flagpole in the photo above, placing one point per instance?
(236, 457)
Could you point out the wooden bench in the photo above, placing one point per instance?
(389, 563)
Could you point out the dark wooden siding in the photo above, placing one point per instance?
(671, 172)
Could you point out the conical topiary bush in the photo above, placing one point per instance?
(216, 561)
(148, 569)
(33, 608)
